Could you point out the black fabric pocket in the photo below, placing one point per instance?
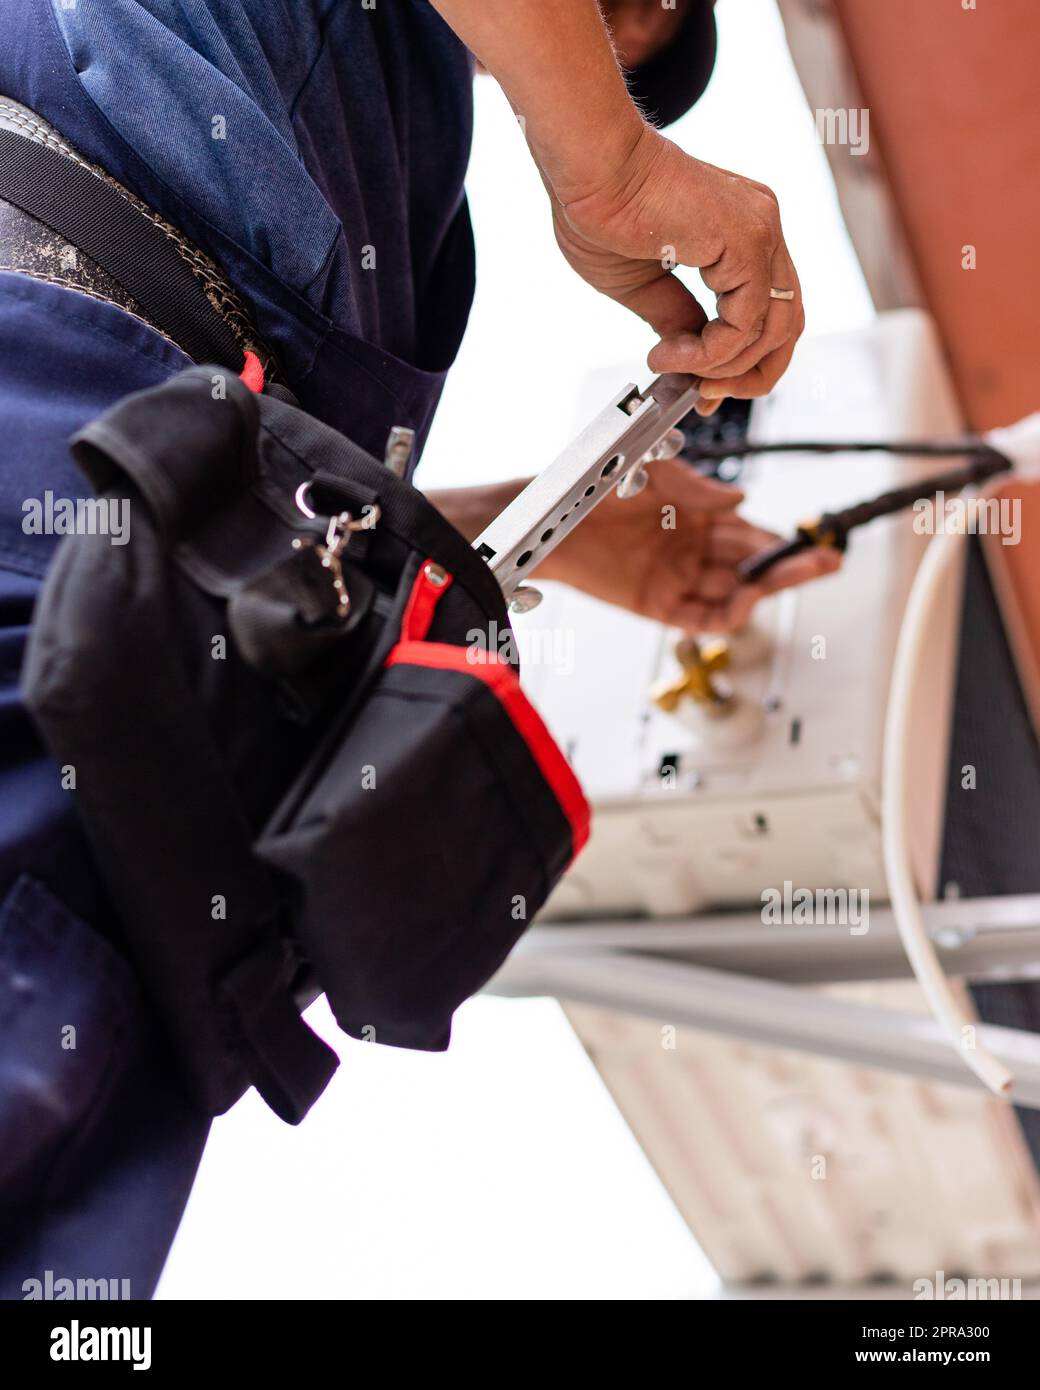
(425, 844)
(414, 808)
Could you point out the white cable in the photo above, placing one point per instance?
(1021, 443)
(933, 574)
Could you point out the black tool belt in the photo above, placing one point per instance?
(298, 755)
(66, 221)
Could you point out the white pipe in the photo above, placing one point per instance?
(1021, 443)
(933, 574)
(760, 1011)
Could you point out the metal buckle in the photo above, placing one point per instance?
(337, 537)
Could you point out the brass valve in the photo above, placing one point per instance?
(701, 662)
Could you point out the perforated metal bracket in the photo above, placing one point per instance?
(614, 446)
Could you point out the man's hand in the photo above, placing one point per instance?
(629, 205)
(663, 208)
(670, 553)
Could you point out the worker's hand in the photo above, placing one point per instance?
(670, 553)
(664, 208)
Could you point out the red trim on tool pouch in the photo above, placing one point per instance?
(422, 603)
(501, 680)
(253, 373)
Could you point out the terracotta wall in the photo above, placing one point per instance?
(954, 101)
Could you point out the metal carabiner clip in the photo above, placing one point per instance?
(337, 537)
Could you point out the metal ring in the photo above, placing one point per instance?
(302, 499)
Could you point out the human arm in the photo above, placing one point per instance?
(669, 553)
(628, 204)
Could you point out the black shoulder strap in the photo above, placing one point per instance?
(99, 221)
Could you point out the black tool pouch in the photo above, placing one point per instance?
(298, 755)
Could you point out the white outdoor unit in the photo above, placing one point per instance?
(788, 786)
(808, 1131)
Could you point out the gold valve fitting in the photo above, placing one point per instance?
(818, 534)
(701, 662)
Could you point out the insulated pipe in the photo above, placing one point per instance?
(934, 573)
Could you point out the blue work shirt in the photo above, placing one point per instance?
(316, 150)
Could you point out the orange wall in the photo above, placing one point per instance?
(954, 100)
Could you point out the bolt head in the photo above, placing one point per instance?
(525, 599)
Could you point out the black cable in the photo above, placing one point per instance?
(832, 528)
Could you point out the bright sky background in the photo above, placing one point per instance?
(502, 1169)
